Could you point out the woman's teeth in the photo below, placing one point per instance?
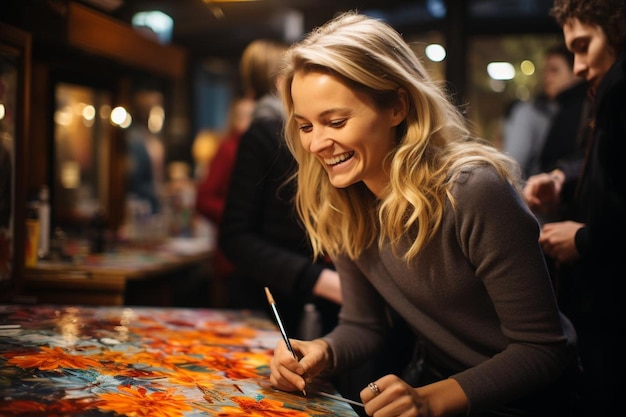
(339, 158)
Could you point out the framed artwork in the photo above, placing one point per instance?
(15, 52)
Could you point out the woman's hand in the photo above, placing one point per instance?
(289, 374)
(390, 396)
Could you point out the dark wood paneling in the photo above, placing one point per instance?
(101, 35)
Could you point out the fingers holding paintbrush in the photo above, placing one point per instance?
(288, 373)
(283, 332)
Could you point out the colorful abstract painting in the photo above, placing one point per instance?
(141, 361)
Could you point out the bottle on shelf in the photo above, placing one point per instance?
(32, 234)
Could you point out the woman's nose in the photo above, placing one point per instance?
(319, 141)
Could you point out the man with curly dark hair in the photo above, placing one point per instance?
(590, 246)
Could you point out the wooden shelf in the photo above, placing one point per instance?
(99, 34)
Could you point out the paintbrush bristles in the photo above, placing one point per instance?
(269, 296)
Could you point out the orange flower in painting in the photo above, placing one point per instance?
(191, 378)
(232, 368)
(121, 364)
(203, 350)
(139, 402)
(49, 359)
(261, 408)
(177, 340)
(254, 359)
(158, 359)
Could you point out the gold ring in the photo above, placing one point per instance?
(374, 388)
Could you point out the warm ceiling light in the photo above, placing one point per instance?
(527, 67)
(435, 52)
(501, 70)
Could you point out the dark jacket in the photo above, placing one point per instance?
(592, 289)
(260, 232)
(565, 138)
(601, 205)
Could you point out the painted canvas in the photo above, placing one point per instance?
(143, 361)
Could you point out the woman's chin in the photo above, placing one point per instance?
(337, 183)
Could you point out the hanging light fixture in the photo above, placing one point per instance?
(156, 23)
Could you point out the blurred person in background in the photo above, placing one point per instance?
(528, 125)
(146, 153)
(260, 232)
(552, 128)
(589, 245)
(213, 188)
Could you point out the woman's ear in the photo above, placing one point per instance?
(400, 108)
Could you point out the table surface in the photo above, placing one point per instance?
(130, 273)
(142, 361)
(136, 261)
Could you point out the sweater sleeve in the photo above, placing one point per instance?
(362, 319)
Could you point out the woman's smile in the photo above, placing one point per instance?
(336, 160)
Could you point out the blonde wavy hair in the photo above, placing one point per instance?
(434, 142)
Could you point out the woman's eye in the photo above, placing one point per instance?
(305, 128)
(338, 123)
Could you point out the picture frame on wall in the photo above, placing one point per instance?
(15, 67)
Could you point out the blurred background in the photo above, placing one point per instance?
(93, 78)
(463, 37)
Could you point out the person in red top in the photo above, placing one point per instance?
(212, 190)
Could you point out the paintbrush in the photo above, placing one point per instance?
(338, 398)
(270, 299)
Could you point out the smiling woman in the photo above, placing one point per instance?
(416, 214)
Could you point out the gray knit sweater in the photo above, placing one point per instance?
(479, 296)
